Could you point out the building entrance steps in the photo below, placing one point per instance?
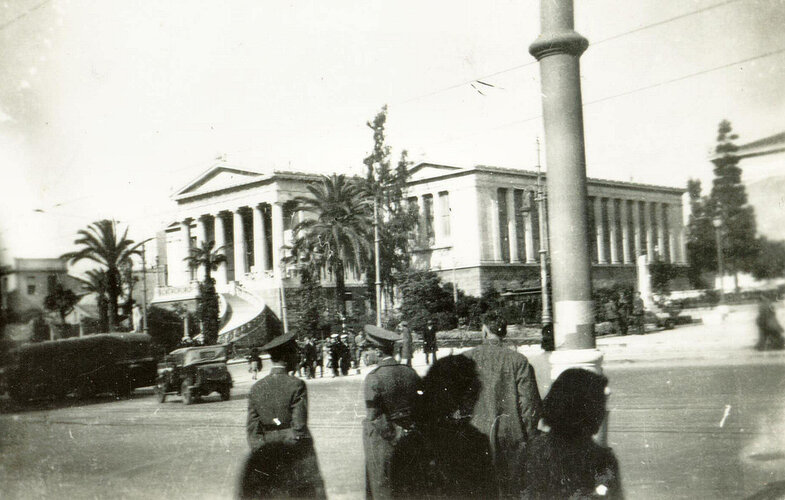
(240, 312)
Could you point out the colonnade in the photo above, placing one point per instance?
(253, 246)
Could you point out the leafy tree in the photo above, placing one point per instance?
(728, 201)
(208, 257)
(385, 187)
(337, 235)
(310, 298)
(41, 329)
(165, 327)
(661, 275)
(424, 297)
(701, 246)
(771, 259)
(100, 243)
(60, 300)
(96, 281)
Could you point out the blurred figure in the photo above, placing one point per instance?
(429, 342)
(769, 329)
(359, 346)
(624, 310)
(406, 343)
(638, 312)
(508, 409)
(254, 363)
(566, 462)
(612, 315)
(309, 358)
(390, 392)
(277, 431)
(445, 456)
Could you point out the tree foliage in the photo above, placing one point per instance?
(101, 244)
(771, 259)
(336, 234)
(661, 275)
(208, 257)
(423, 298)
(96, 282)
(386, 187)
(60, 300)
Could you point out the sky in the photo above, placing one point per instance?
(107, 107)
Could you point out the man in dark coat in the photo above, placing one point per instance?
(278, 413)
(638, 312)
(429, 342)
(390, 393)
(406, 343)
(509, 406)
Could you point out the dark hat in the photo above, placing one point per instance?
(278, 341)
(380, 336)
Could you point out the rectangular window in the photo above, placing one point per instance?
(430, 235)
(31, 285)
(520, 227)
(414, 207)
(444, 211)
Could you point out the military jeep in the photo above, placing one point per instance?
(193, 372)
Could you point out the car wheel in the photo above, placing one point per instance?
(187, 394)
(160, 392)
(225, 393)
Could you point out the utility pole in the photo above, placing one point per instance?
(558, 50)
(144, 287)
(377, 260)
(547, 319)
(717, 222)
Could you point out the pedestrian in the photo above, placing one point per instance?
(429, 342)
(445, 456)
(390, 392)
(309, 358)
(508, 409)
(334, 360)
(278, 423)
(623, 308)
(566, 462)
(359, 346)
(345, 355)
(612, 315)
(406, 343)
(320, 355)
(769, 329)
(254, 363)
(638, 314)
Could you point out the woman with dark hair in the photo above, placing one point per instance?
(566, 462)
(445, 456)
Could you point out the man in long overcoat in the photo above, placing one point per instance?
(390, 393)
(406, 343)
(278, 416)
(508, 409)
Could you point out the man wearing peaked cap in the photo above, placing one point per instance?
(390, 393)
(278, 412)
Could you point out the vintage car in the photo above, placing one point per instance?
(193, 372)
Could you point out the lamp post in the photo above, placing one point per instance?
(377, 261)
(717, 222)
(547, 318)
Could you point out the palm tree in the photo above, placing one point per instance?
(97, 282)
(338, 235)
(100, 244)
(210, 258)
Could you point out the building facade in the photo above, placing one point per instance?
(27, 282)
(478, 228)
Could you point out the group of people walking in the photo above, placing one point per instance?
(625, 315)
(469, 428)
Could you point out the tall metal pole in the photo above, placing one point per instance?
(558, 49)
(720, 262)
(282, 268)
(144, 287)
(377, 261)
(547, 319)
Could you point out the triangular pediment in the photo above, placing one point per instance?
(217, 178)
(427, 170)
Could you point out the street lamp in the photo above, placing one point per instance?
(547, 319)
(717, 222)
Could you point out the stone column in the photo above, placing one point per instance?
(185, 230)
(222, 274)
(438, 235)
(659, 210)
(625, 231)
(614, 236)
(201, 237)
(682, 244)
(512, 229)
(558, 50)
(599, 227)
(239, 245)
(495, 236)
(649, 231)
(259, 240)
(278, 243)
(636, 229)
(528, 227)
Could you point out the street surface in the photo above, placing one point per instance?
(684, 423)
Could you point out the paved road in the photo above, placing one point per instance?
(666, 426)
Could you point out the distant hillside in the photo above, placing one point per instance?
(768, 198)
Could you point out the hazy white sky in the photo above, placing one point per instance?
(106, 106)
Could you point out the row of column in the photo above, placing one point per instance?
(434, 218)
(526, 210)
(239, 248)
(656, 230)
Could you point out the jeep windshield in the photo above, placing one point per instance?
(211, 354)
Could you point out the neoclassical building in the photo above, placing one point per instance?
(478, 228)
